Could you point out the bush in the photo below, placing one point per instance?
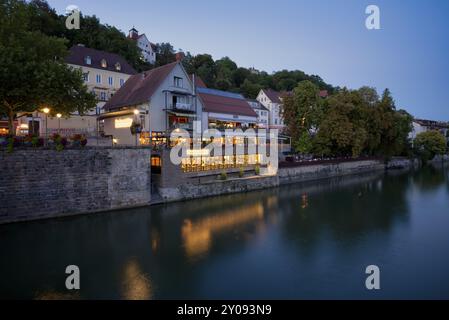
(257, 170)
(241, 173)
(78, 140)
(429, 144)
(60, 142)
(224, 176)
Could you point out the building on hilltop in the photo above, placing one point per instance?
(147, 48)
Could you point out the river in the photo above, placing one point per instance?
(303, 241)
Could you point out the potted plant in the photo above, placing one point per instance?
(78, 140)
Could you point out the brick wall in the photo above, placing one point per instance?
(45, 183)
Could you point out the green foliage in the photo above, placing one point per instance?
(241, 172)
(357, 122)
(429, 144)
(32, 68)
(257, 170)
(303, 111)
(224, 176)
(303, 144)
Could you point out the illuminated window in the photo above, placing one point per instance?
(118, 67)
(88, 60)
(104, 64)
(121, 123)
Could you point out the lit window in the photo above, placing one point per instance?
(98, 78)
(88, 60)
(104, 64)
(178, 82)
(118, 67)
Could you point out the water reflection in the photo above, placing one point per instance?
(136, 284)
(198, 235)
(297, 241)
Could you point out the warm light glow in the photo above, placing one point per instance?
(59, 115)
(46, 110)
(197, 235)
(123, 123)
(136, 284)
(114, 141)
(198, 153)
(136, 112)
(23, 126)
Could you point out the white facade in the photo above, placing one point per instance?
(173, 98)
(420, 126)
(262, 113)
(146, 47)
(275, 118)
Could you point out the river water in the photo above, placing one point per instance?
(303, 241)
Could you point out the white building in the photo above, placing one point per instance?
(420, 125)
(104, 74)
(147, 48)
(262, 113)
(271, 100)
(158, 101)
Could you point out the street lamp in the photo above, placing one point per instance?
(59, 121)
(46, 111)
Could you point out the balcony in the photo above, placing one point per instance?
(183, 106)
(184, 126)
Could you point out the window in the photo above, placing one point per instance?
(88, 60)
(122, 82)
(103, 96)
(275, 121)
(86, 77)
(118, 66)
(98, 78)
(178, 82)
(104, 64)
(110, 81)
(156, 164)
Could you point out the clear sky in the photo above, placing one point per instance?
(409, 55)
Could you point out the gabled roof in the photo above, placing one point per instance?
(256, 104)
(140, 87)
(79, 53)
(273, 95)
(218, 101)
(432, 124)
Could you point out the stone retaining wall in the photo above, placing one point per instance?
(44, 183)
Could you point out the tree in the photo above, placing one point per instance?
(32, 70)
(429, 144)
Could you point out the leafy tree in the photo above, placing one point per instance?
(429, 144)
(165, 54)
(32, 70)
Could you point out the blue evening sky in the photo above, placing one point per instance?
(409, 54)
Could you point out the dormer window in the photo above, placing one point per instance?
(118, 67)
(104, 64)
(88, 60)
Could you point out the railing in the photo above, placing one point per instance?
(183, 106)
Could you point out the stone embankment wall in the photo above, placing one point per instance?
(44, 183)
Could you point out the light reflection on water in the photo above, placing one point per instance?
(310, 240)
